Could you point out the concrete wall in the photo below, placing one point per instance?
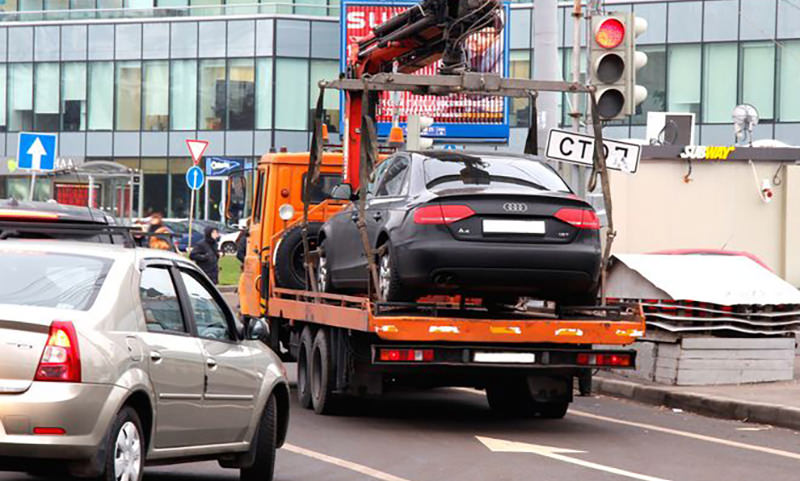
(720, 207)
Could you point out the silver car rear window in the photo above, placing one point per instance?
(47, 279)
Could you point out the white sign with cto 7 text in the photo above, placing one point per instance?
(579, 149)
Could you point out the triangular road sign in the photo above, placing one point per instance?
(196, 149)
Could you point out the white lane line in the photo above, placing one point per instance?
(686, 434)
(343, 463)
(676, 432)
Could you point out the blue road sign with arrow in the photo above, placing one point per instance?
(195, 177)
(36, 151)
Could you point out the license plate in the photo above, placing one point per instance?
(498, 226)
(505, 357)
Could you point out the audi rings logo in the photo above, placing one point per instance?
(515, 207)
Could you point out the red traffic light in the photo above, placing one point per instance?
(610, 33)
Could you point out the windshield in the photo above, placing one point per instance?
(62, 281)
(464, 170)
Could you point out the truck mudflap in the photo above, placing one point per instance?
(500, 357)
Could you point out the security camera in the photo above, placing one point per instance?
(766, 191)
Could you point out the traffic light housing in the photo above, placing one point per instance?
(614, 62)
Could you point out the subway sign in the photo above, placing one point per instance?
(703, 152)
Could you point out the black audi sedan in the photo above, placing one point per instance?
(496, 226)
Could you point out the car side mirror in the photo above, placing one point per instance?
(342, 192)
(257, 330)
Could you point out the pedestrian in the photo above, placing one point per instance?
(241, 242)
(206, 254)
(157, 226)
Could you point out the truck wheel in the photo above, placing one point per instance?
(125, 448)
(552, 409)
(303, 365)
(290, 269)
(266, 440)
(322, 374)
(510, 398)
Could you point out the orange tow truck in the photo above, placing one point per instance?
(525, 358)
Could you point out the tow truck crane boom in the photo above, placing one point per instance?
(414, 39)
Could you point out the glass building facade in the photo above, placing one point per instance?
(131, 80)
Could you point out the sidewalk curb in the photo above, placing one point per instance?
(721, 407)
(227, 289)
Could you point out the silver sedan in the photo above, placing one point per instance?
(112, 358)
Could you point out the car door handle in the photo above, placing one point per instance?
(155, 356)
(211, 363)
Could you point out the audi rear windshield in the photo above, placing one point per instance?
(46, 279)
(460, 170)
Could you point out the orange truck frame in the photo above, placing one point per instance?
(350, 345)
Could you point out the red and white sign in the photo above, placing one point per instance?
(484, 52)
(196, 149)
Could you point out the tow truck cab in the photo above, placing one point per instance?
(278, 187)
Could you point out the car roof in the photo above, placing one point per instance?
(111, 251)
(457, 155)
(65, 213)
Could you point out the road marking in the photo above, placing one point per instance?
(699, 437)
(503, 446)
(343, 463)
(676, 432)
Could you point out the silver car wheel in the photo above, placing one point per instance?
(322, 274)
(384, 276)
(128, 453)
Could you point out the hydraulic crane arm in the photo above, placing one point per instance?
(423, 34)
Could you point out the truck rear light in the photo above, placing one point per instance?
(406, 355)
(442, 214)
(49, 431)
(580, 218)
(603, 360)
(61, 359)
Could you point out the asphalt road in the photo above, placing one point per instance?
(451, 435)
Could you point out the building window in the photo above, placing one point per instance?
(291, 101)
(241, 94)
(101, 95)
(154, 177)
(179, 199)
(653, 77)
(519, 108)
(264, 93)
(211, 114)
(719, 86)
(683, 81)
(789, 94)
(73, 96)
(324, 70)
(156, 92)
(45, 114)
(758, 76)
(20, 96)
(183, 95)
(129, 95)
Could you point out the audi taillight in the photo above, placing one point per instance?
(610, 33)
(61, 359)
(442, 214)
(580, 218)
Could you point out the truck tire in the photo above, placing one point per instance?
(303, 368)
(290, 270)
(552, 409)
(510, 398)
(266, 440)
(323, 374)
